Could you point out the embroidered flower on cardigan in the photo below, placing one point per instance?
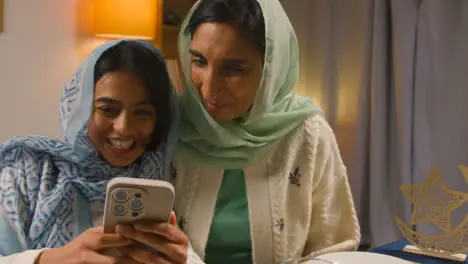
(280, 224)
(294, 177)
(182, 222)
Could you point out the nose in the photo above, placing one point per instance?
(212, 83)
(123, 125)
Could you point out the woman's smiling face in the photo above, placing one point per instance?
(122, 119)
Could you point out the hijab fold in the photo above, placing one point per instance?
(276, 110)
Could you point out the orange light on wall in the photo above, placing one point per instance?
(127, 18)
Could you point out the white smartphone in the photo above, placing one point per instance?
(131, 199)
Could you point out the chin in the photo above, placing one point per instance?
(120, 161)
(222, 117)
(121, 157)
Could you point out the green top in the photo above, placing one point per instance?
(229, 239)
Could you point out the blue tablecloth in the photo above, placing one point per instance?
(395, 249)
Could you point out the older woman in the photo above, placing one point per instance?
(117, 115)
(258, 173)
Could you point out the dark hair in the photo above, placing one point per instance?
(245, 15)
(151, 70)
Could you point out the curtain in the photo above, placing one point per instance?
(392, 78)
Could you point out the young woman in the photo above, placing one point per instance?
(258, 173)
(118, 118)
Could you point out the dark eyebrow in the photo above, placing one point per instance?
(236, 61)
(240, 62)
(108, 100)
(144, 103)
(196, 53)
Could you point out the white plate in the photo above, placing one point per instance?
(358, 258)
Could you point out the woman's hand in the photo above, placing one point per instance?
(86, 249)
(169, 244)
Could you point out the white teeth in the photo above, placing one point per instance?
(123, 144)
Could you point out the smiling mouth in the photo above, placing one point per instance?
(119, 144)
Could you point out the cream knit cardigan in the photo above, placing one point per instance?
(299, 198)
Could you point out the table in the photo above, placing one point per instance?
(395, 249)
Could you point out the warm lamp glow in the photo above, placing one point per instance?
(127, 18)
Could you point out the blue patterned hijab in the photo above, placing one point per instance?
(41, 177)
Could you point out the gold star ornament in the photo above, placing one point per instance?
(433, 201)
(464, 171)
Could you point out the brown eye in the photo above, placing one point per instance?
(233, 70)
(108, 111)
(144, 112)
(198, 62)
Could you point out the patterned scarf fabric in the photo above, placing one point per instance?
(41, 177)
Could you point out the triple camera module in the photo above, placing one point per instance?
(126, 201)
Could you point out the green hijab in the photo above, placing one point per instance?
(276, 110)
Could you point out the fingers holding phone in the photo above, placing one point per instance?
(170, 244)
(87, 248)
(141, 210)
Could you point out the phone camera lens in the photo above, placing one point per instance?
(136, 204)
(119, 209)
(121, 196)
